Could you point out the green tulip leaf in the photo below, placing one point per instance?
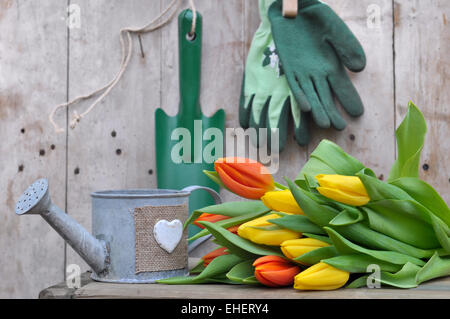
(435, 267)
(404, 278)
(313, 167)
(347, 217)
(198, 268)
(280, 186)
(214, 176)
(410, 136)
(222, 281)
(251, 281)
(298, 223)
(311, 181)
(360, 263)
(318, 237)
(379, 190)
(362, 234)
(216, 267)
(267, 228)
(329, 158)
(358, 283)
(346, 247)
(441, 230)
(238, 245)
(242, 271)
(401, 220)
(320, 215)
(315, 256)
(426, 195)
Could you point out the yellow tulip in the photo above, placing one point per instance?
(252, 231)
(281, 201)
(321, 276)
(296, 247)
(344, 189)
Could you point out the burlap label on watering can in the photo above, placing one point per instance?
(149, 255)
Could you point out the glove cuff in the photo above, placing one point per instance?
(263, 12)
(302, 4)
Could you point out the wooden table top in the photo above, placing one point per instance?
(435, 289)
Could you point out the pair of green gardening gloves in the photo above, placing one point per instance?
(293, 67)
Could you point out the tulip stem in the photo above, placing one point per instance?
(280, 186)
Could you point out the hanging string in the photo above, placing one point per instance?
(194, 17)
(125, 38)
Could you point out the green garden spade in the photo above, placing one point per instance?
(184, 141)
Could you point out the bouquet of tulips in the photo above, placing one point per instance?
(332, 226)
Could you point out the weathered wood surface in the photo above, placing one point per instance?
(33, 65)
(422, 68)
(41, 61)
(437, 289)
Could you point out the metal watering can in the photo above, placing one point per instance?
(111, 250)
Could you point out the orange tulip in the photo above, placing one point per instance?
(215, 253)
(244, 177)
(212, 218)
(234, 229)
(274, 271)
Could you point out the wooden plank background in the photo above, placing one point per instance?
(43, 63)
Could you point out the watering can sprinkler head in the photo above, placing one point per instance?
(36, 200)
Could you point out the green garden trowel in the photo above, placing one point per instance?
(180, 145)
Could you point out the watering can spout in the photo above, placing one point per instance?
(36, 200)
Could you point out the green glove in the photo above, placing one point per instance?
(266, 98)
(314, 47)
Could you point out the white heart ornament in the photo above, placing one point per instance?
(168, 234)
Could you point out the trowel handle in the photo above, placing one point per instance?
(190, 51)
(215, 195)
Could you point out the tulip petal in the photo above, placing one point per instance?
(233, 229)
(252, 173)
(274, 237)
(240, 189)
(263, 281)
(213, 254)
(343, 197)
(281, 201)
(284, 277)
(269, 258)
(348, 184)
(321, 277)
(212, 218)
(298, 247)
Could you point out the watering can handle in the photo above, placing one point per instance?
(212, 192)
(217, 200)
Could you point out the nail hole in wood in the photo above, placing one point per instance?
(52, 147)
(22, 131)
(76, 171)
(41, 152)
(113, 133)
(352, 137)
(426, 167)
(381, 177)
(20, 168)
(150, 172)
(118, 151)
